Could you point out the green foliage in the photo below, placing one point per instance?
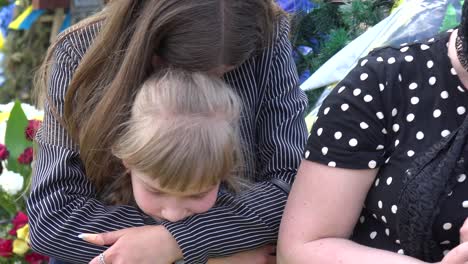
(4, 214)
(338, 39)
(330, 27)
(318, 22)
(8, 204)
(359, 15)
(4, 3)
(15, 139)
(24, 51)
(12, 199)
(450, 19)
(315, 26)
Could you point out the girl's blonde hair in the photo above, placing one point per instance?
(197, 35)
(183, 131)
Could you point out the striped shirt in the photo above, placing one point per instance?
(63, 202)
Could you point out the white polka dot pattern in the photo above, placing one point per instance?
(395, 105)
(338, 135)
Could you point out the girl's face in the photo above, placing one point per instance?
(167, 205)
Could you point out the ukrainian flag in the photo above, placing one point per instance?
(26, 19)
(2, 40)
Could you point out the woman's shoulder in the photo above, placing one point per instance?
(281, 31)
(414, 51)
(80, 37)
(394, 65)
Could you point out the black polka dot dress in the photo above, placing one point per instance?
(395, 104)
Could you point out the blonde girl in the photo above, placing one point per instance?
(179, 145)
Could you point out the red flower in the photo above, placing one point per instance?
(35, 258)
(19, 221)
(4, 152)
(6, 248)
(26, 157)
(31, 129)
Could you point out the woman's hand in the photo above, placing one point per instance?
(464, 232)
(459, 255)
(146, 244)
(263, 255)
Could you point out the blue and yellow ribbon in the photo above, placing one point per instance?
(26, 19)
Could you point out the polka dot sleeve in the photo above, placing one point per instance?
(350, 131)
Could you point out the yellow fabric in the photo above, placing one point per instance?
(17, 22)
(39, 117)
(2, 41)
(4, 116)
(397, 4)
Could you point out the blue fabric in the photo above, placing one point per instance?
(6, 16)
(33, 17)
(66, 22)
(293, 6)
(54, 261)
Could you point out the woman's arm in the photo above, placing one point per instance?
(322, 210)
(63, 202)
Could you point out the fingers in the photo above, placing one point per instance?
(268, 255)
(104, 239)
(94, 261)
(100, 259)
(464, 232)
(458, 255)
(93, 239)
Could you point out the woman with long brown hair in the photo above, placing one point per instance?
(89, 81)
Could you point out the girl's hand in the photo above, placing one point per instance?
(146, 244)
(263, 255)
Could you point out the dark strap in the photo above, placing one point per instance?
(282, 185)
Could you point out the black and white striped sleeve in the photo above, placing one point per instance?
(62, 203)
(252, 219)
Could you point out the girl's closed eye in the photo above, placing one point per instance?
(200, 195)
(154, 191)
(158, 193)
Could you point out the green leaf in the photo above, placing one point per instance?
(4, 214)
(26, 172)
(15, 139)
(7, 203)
(4, 3)
(450, 19)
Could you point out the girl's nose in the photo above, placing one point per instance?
(173, 214)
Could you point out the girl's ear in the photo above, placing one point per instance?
(126, 165)
(128, 171)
